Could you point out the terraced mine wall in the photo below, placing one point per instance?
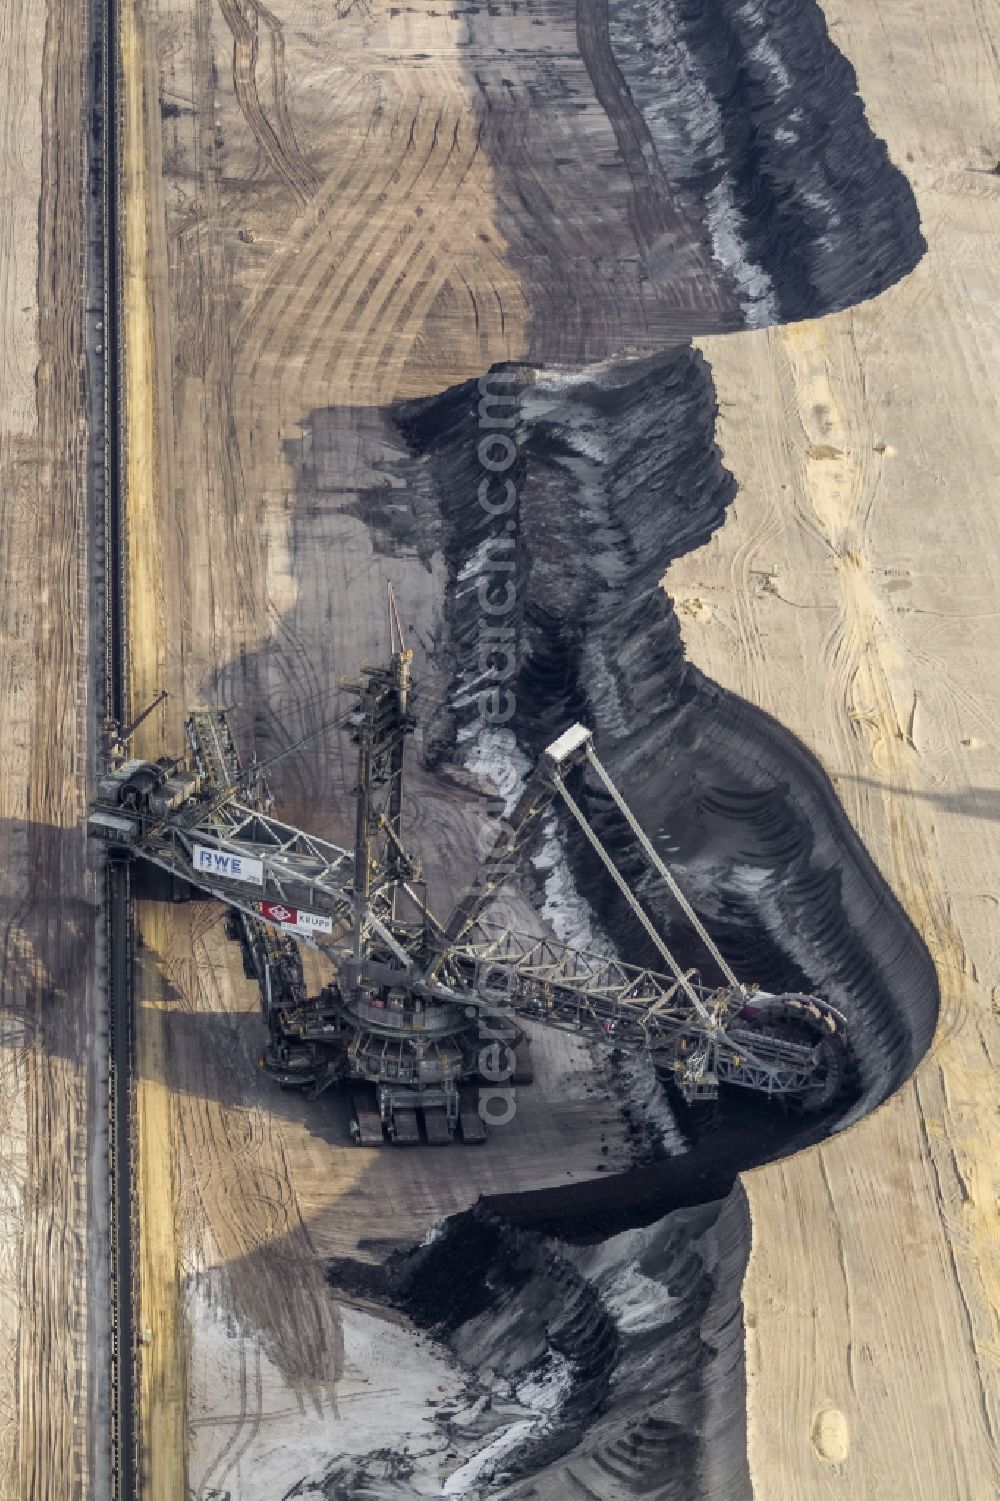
(613, 474)
(638, 1340)
(753, 186)
(754, 114)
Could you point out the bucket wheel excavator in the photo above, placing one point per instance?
(424, 1017)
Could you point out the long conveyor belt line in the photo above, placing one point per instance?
(120, 1133)
(116, 710)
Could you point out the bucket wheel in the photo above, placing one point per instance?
(803, 1019)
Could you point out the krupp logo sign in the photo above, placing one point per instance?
(227, 866)
(315, 922)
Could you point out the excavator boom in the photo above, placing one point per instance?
(402, 1012)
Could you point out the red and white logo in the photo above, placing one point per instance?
(294, 917)
(276, 912)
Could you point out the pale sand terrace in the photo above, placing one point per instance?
(852, 593)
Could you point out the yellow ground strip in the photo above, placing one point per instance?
(162, 1419)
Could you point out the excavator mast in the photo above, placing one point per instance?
(380, 727)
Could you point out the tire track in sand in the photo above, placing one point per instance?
(277, 141)
(276, 280)
(322, 248)
(412, 277)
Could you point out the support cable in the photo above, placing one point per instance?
(662, 870)
(679, 974)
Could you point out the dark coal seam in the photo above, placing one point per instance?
(552, 688)
(668, 1438)
(652, 207)
(783, 232)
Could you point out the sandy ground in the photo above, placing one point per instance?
(852, 593)
(18, 434)
(53, 1274)
(294, 269)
